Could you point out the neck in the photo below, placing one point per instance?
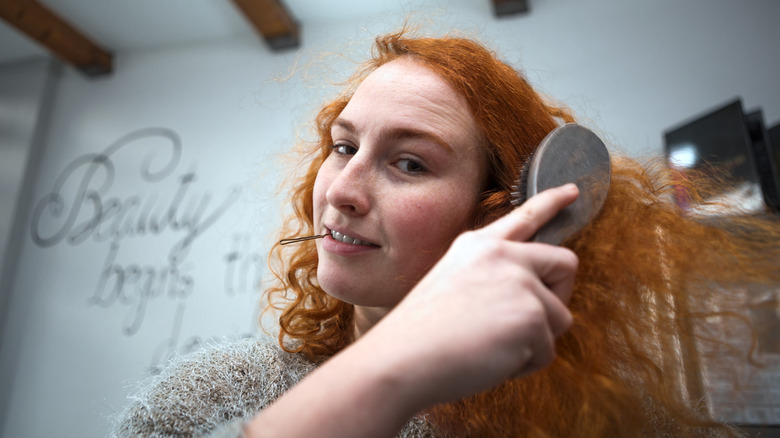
(365, 318)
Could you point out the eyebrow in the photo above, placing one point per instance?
(395, 134)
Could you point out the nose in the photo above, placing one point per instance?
(350, 189)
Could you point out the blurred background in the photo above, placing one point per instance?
(143, 143)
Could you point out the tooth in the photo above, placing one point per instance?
(341, 237)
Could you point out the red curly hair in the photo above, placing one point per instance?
(643, 266)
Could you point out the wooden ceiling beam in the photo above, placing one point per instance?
(60, 37)
(503, 8)
(273, 21)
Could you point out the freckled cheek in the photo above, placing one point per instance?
(431, 222)
(319, 198)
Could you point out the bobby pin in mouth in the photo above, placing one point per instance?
(301, 239)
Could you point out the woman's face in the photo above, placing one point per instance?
(401, 182)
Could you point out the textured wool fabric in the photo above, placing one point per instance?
(215, 390)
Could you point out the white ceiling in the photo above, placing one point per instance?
(142, 24)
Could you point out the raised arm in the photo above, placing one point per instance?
(490, 310)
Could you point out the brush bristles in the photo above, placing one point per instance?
(519, 193)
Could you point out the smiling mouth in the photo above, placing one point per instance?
(347, 239)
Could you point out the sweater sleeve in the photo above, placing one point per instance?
(216, 390)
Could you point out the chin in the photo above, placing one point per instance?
(359, 295)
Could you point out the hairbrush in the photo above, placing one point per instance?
(570, 153)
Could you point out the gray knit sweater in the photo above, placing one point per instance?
(216, 390)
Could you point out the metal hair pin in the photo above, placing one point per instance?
(301, 239)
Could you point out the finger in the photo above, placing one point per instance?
(537, 353)
(522, 223)
(557, 272)
(554, 269)
(544, 353)
(541, 346)
(555, 266)
(557, 315)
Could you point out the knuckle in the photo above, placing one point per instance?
(533, 315)
(567, 320)
(569, 259)
(487, 246)
(527, 215)
(527, 282)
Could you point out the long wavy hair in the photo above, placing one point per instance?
(644, 267)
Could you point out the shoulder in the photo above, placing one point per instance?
(214, 385)
(250, 363)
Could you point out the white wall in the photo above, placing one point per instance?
(631, 68)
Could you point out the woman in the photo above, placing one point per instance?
(416, 324)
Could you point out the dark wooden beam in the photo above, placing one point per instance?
(272, 20)
(60, 37)
(503, 8)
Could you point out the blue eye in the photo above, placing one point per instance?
(410, 166)
(344, 149)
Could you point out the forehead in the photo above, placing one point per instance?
(406, 92)
(406, 72)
